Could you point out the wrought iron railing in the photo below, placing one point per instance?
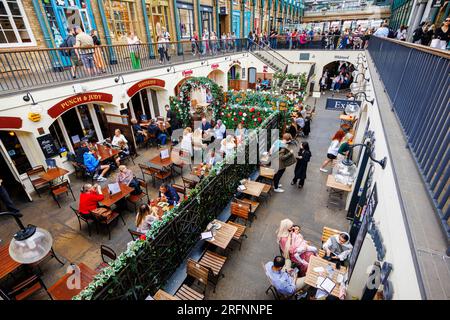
(22, 69)
(154, 264)
(318, 42)
(417, 81)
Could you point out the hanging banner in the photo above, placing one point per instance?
(135, 88)
(340, 104)
(77, 100)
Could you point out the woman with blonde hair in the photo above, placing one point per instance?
(186, 142)
(284, 240)
(228, 145)
(144, 218)
(198, 145)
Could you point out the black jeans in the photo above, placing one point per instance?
(300, 183)
(4, 196)
(277, 177)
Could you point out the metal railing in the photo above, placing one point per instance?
(271, 56)
(417, 81)
(356, 9)
(318, 42)
(25, 69)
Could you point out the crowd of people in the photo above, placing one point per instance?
(287, 271)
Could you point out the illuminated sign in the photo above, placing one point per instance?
(77, 100)
(187, 73)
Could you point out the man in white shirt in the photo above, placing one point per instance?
(219, 130)
(119, 137)
(383, 31)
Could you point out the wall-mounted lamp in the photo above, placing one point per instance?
(78, 88)
(116, 79)
(35, 107)
(365, 97)
(170, 68)
(361, 74)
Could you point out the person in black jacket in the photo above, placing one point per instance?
(304, 155)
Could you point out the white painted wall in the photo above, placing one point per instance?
(390, 222)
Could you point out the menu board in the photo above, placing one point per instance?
(48, 145)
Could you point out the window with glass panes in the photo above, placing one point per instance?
(157, 17)
(186, 22)
(14, 27)
(122, 19)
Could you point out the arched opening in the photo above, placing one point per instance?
(337, 76)
(218, 76)
(234, 77)
(179, 85)
(147, 103)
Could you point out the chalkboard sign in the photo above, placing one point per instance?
(48, 146)
(340, 104)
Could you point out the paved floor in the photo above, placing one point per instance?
(244, 275)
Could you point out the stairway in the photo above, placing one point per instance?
(267, 61)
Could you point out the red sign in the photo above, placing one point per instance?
(77, 100)
(135, 88)
(187, 72)
(214, 66)
(10, 123)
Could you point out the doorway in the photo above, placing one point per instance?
(252, 78)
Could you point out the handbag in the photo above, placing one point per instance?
(290, 159)
(435, 43)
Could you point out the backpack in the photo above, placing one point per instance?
(391, 34)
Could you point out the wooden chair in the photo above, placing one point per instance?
(326, 234)
(253, 204)
(162, 175)
(181, 190)
(273, 289)
(135, 234)
(146, 170)
(81, 217)
(110, 255)
(27, 287)
(199, 273)
(241, 211)
(162, 295)
(214, 263)
(266, 192)
(106, 222)
(239, 235)
(188, 183)
(185, 161)
(61, 188)
(135, 199)
(36, 181)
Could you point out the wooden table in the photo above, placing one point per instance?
(54, 174)
(253, 188)
(109, 199)
(60, 290)
(267, 173)
(164, 163)
(311, 275)
(336, 188)
(106, 152)
(7, 264)
(224, 235)
(347, 118)
(162, 295)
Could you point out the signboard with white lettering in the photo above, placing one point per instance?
(48, 146)
(340, 104)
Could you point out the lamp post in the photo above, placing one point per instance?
(30, 244)
(365, 97)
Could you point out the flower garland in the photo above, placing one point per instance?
(181, 105)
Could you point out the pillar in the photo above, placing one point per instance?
(147, 31)
(177, 27)
(94, 118)
(112, 54)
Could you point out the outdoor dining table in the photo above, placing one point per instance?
(61, 291)
(105, 152)
(253, 188)
(336, 188)
(163, 163)
(54, 174)
(224, 235)
(7, 264)
(266, 172)
(110, 199)
(312, 275)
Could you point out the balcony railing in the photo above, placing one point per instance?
(34, 68)
(356, 9)
(26, 69)
(417, 82)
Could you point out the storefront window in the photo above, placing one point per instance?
(186, 13)
(207, 18)
(122, 19)
(14, 27)
(15, 151)
(157, 18)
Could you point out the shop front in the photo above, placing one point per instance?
(122, 17)
(247, 22)
(61, 14)
(147, 99)
(207, 19)
(158, 18)
(236, 27)
(187, 22)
